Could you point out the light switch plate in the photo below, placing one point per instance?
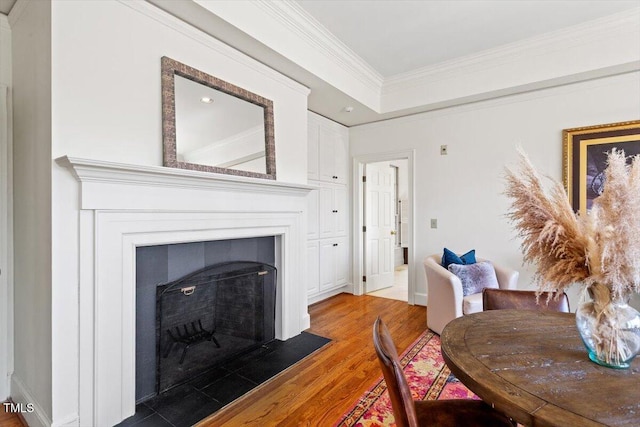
(434, 223)
(443, 150)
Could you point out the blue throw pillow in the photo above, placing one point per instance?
(450, 257)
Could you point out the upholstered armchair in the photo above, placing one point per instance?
(446, 299)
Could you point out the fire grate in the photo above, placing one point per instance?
(189, 338)
(211, 316)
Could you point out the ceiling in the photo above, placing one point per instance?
(399, 36)
(385, 40)
(6, 5)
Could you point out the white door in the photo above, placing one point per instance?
(380, 228)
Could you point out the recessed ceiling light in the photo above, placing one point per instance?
(206, 100)
(348, 109)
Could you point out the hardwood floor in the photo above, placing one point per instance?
(9, 419)
(318, 390)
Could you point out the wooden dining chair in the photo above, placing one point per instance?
(500, 299)
(441, 413)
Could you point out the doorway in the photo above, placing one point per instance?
(383, 217)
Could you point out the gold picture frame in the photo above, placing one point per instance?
(584, 158)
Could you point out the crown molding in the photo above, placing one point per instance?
(16, 11)
(623, 24)
(593, 79)
(209, 41)
(299, 22)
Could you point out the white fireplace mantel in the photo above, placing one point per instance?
(126, 206)
(174, 185)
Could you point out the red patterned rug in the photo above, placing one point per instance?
(427, 375)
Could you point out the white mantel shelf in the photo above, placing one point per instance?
(120, 186)
(89, 170)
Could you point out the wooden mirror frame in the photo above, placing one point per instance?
(170, 68)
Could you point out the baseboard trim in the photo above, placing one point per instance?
(328, 294)
(420, 299)
(20, 394)
(306, 321)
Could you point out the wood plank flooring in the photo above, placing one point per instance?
(8, 419)
(318, 390)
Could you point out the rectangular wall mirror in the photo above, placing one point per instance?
(214, 126)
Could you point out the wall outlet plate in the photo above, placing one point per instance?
(434, 223)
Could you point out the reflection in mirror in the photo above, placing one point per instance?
(211, 125)
(216, 129)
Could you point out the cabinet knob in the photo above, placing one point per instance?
(335, 244)
(335, 211)
(335, 177)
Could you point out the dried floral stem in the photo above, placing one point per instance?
(600, 250)
(600, 247)
(552, 237)
(610, 345)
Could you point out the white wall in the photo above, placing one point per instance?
(31, 46)
(463, 189)
(106, 104)
(6, 211)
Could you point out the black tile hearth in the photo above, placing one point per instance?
(189, 403)
(183, 406)
(154, 420)
(229, 388)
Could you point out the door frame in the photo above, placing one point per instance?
(358, 217)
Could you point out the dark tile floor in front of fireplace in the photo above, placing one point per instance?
(189, 403)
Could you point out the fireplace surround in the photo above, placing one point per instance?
(123, 207)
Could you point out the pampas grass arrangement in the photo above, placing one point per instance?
(600, 251)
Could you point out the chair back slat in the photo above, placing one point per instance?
(501, 299)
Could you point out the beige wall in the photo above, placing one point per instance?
(6, 211)
(463, 189)
(31, 45)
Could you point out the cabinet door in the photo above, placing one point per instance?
(312, 149)
(341, 261)
(341, 205)
(313, 267)
(327, 264)
(313, 224)
(327, 216)
(326, 154)
(341, 156)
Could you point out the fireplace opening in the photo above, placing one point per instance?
(163, 265)
(211, 316)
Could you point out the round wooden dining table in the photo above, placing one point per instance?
(533, 367)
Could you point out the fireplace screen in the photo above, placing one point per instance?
(210, 316)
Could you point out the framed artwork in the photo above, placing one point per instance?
(585, 158)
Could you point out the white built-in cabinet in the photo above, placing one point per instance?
(328, 244)
(328, 151)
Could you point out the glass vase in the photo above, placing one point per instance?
(611, 332)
